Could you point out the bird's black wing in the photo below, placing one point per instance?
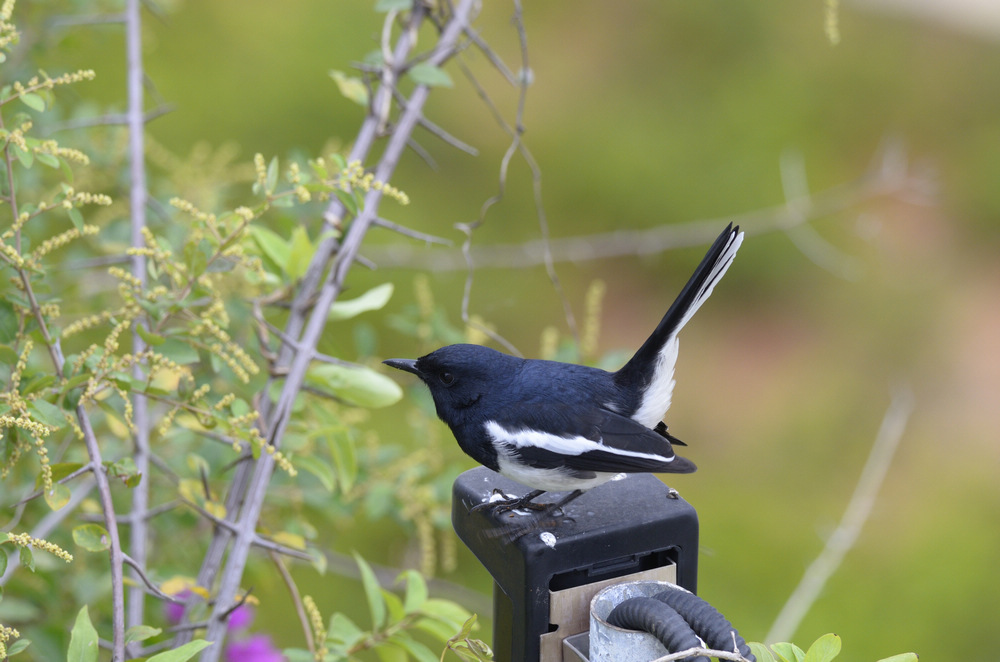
(554, 436)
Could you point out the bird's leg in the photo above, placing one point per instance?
(514, 531)
(555, 507)
(511, 503)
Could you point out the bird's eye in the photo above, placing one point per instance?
(447, 378)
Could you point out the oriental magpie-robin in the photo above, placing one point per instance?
(559, 427)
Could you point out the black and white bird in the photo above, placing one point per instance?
(558, 427)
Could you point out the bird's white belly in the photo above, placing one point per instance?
(550, 480)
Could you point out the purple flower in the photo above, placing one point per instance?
(241, 617)
(255, 648)
(174, 611)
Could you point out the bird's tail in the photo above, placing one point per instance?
(647, 360)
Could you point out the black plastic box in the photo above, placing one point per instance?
(618, 529)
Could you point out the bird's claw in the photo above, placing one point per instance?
(508, 503)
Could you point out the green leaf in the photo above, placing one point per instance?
(760, 651)
(824, 649)
(33, 101)
(373, 592)
(38, 383)
(345, 458)
(92, 537)
(902, 657)
(17, 647)
(350, 200)
(415, 649)
(393, 5)
(390, 654)
(182, 654)
(416, 590)
(318, 468)
(446, 611)
(82, 639)
(148, 337)
(344, 631)
(178, 351)
(358, 385)
(3, 561)
(787, 652)
(140, 633)
(26, 558)
(76, 217)
(24, 156)
(47, 413)
(47, 159)
(58, 496)
(272, 246)
(61, 470)
(8, 323)
(351, 87)
(271, 182)
(317, 559)
(373, 299)
(300, 252)
(394, 607)
(430, 75)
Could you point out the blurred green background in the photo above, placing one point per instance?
(648, 113)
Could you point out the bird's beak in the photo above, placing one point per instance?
(409, 365)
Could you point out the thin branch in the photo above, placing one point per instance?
(879, 182)
(153, 588)
(65, 479)
(409, 232)
(114, 119)
(138, 534)
(858, 510)
(437, 130)
(821, 252)
(300, 611)
(70, 21)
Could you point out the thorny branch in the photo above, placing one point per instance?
(307, 323)
(138, 533)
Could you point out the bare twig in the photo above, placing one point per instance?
(153, 588)
(140, 405)
(114, 119)
(85, 469)
(822, 253)
(522, 81)
(854, 518)
(409, 232)
(885, 179)
(300, 611)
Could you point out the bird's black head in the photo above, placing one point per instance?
(460, 377)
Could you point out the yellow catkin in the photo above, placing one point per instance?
(592, 318)
(25, 540)
(316, 622)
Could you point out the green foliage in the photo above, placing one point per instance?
(824, 649)
(398, 625)
(183, 321)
